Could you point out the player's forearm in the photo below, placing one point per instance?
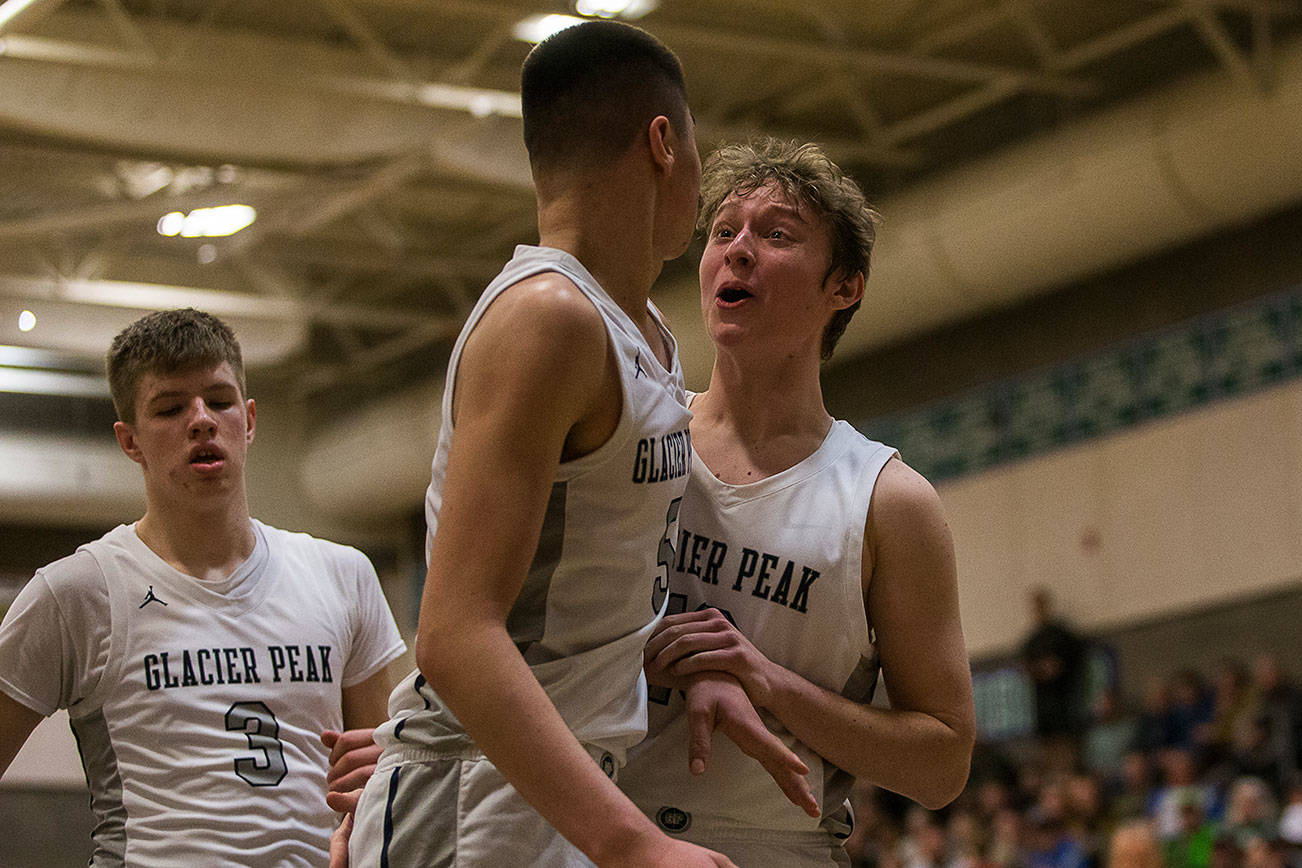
(476, 669)
(923, 756)
(16, 723)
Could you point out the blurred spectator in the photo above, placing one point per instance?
(1226, 852)
(1134, 845)
(1155, 721)
(1049, 845)
(992, 796)
(1232, 705)
(1084, 815)
(930, 846)
(1191, 846)
(875, 839)
(1137, 797)
(1181, 789)
(1005, 848)
(910, 849)
(1263, 853)
(1110, 736)
(1054, 657)
(1276, 706)
(1032, 778)
(966, 839)
(1250, 811)
(1290, 820)
(1191, 710)
(1258, 754)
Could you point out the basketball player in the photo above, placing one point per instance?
(561, 461)
(806, 554)
(200, 653)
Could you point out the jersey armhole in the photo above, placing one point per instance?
(113, 664)
(857, 532)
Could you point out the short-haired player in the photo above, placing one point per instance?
(200, 653)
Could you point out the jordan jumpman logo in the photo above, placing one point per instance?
(150, 598)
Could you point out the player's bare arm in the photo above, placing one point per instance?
(921, 747)
(535, 384)
(717, 701)
(353, 752)
(366, 703)
(16, 723)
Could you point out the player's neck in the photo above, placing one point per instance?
(208, 546)
(610, 229)
(758, 420)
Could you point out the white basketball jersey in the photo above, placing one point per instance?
(598, 580)
(200, 735)
(782, 558)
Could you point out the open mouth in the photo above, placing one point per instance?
(733, 295)
(206, 458)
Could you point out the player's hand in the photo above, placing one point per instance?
(717, 701)
(344, 802)
(339, 841)
(694, 642)
(353, 755)
(666, 852)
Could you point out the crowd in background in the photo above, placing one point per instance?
(1204, 774)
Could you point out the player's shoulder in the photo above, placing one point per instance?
(78, 572)
(903, 496)
(298, 543)
(546, 306)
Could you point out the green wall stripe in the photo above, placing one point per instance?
(1208, 358)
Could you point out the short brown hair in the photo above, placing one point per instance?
(164, 342)
(804, 173)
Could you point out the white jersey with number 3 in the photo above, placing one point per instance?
(782, 558)
(198, 706)
(598, 580)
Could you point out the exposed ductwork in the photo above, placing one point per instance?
(1173, 166)
(69, 480)
(378, 459)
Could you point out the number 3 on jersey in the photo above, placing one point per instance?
(262, 730)
(665, 555)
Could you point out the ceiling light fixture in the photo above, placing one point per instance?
(26, 321)
(207, 222)
(12, 9)
(65, 383)
(480, 102)
(629, 10)
(536, 28)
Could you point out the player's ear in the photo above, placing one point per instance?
(664, 143)
(251, 411)
(846, 291)
(127, 441)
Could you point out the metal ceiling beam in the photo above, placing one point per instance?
(412, 264)
(24, 13)
(1022, 15)
(98, 219)
(117, 293)
(311, 208)
(370, 44)
(947, 113)
(903, 64)
(1121, 38)
(322, 377)
(1213, 33)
